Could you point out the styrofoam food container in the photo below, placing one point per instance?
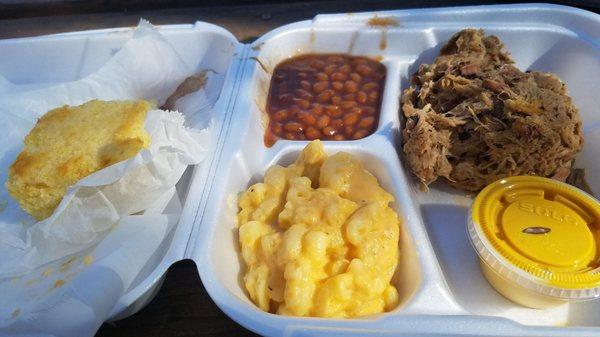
(441, 288)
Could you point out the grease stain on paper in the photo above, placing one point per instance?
(67, 264)
(59, 283)
(88, 260)
(32, 282)
(47, 272)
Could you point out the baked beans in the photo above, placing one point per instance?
(324, 96)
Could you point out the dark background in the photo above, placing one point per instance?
(182, 307)
(23, 8)
(246, 19)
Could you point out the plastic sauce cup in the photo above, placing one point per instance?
(538, 240)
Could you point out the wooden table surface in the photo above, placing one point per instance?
(182, 306)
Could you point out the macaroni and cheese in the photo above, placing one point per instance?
(319, 239)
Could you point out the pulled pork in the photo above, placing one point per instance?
(472, 117)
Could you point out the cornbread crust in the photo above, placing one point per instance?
(70, 143)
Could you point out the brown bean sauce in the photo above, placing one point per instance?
(324, 96)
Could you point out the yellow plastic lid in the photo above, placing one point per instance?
(541, 233)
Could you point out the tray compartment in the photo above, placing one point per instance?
(288, 41)
(445, 209)
(219, 255)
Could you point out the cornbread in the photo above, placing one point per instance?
(70, 143)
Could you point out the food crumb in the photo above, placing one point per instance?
(59, 283)
(88, 259)
(16, 313)
(47, 272)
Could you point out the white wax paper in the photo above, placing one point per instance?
(62, 276)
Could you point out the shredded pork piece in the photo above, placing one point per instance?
(472, 117)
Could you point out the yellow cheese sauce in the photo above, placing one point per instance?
(319, 238)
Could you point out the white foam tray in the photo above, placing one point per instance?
(442, 290)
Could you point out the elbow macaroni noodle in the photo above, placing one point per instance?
(319, 239)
